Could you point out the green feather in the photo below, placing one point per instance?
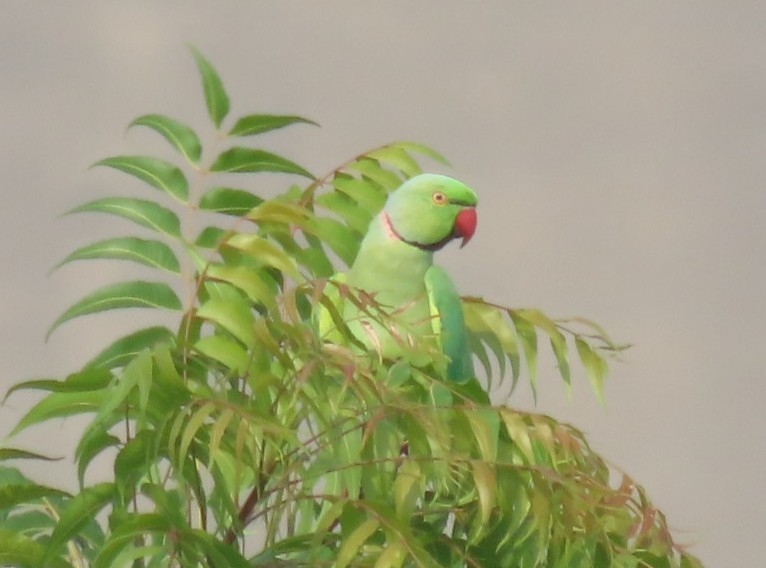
(394, 265)
(448, 323)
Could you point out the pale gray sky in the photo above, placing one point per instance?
(619, 150)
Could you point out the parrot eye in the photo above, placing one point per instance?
(439, 197)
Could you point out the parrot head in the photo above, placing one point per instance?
(430, 210)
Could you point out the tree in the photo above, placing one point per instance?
(243, 438)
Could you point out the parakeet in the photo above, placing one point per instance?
(395, 265)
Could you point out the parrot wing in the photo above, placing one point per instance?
(449, 324)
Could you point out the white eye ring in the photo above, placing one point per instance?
(439, 197)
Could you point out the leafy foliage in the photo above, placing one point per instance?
(243, 438)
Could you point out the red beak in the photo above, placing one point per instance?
(465, 224)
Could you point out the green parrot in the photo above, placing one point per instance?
(395, 266)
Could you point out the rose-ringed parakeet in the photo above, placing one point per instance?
(395, 266)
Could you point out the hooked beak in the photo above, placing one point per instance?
(465, 224)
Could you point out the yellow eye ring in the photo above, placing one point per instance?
(439, 197)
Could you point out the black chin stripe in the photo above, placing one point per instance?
(422, 246)
(429, 247)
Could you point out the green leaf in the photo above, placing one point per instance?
(519, 431)
(397, 157)
(595, 367)
(486, 483)
(59, 404)
(485, 426)
(169, 391)
(192, 427)
(95, 440)
(407, 488)
(81, 509)
(356, 217)
(313, 257)
(18, 454)
(180, 136)
(327, 519)
(12, 475)
(13, 494)
(421, 149)
(493, 329)
(216, 99)
(123, 350)
(259, 123)
(342, 240)
(130, 555)
(365, 193)
(23, 552)
(558, 342)
(224, 351)
(394, 554)
(148, 252)
(210, 237)
(372, 170)
(157, 173)
(86, 380)
(246, 279)
(250, 160)
(133, 294)
(477, 348)
(273, 211)
(31, 520)
(230, 316)
(134, 461)
(127, 532)
(559, 346)
(353, 542)
(229, 201)
(142, 211)
(526, 333)
(264, 252)
(219, 553)
(137, 373)
(440, 395)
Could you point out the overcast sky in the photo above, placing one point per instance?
(618, 148)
